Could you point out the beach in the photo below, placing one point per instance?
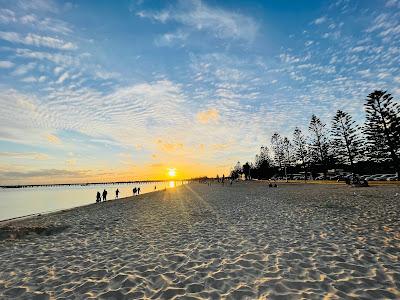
(240, 241)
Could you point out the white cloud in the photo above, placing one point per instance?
(171, 38)
(57, 70)
(320, 20)
(37, 40)
(46, 24)
(101, 74)
(39, 5)
(23, 69)
(393, 3)
(63, 77)
(29, 79)
(5, 64)
(198, 16)
(7, 16)
(57, 58)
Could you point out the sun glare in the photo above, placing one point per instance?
(171, 172)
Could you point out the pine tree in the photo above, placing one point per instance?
(319, 144)
(345, 138)
(382, 127)
(277, 147)
(300, 149)
(263, 163)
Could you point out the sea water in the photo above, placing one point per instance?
(19, 202)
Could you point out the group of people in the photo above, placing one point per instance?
(103, 196)
(136, 191)
(98, 196)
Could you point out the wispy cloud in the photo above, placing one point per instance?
(195, 15)
(25, 155)
(208, 116)
(52, 138)
(37, 40)
(320, 20)
(5, 64)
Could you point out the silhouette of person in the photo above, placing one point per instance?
(155, 187)
(223, 179)
(98, 197)
(134, 191)
(104, 195)
(116, 193)
(138, 190)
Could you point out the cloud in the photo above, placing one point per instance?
(29, 79)
(25, 155)
(53, 139)
(169, 147)
(63, 77)
(5, 64)
(23, 69)
(57, 70)
(45, 24)
(57, 58)
(208, 116)
(44, 173)
(37, 40)
(320, 20)
(393, 3)
(171, 38)
(198, 16)
(101, 74)
(7, 16)
(38, 5)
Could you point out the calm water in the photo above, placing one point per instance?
(26, 201)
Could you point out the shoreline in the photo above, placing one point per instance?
(33, 215)
(266, 181)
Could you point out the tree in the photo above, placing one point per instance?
(287, 154)
(277, 147)
(319, 145)
(345, 138)
(262, 164)
(246, 170)
(300, 149)
(382, 127)
(263, 158)
(237, 170)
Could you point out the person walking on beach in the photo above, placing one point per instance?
(98, 197)
(138, 190)
(134, 191)
(104, 195)
(155, 187)
(116, 193)
(223, 179)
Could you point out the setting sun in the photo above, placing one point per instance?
(171, 172)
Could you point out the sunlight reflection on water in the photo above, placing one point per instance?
(17, 202)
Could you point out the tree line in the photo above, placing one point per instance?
(373, 146)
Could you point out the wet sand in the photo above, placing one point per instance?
(244, 241)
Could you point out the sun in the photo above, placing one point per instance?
(171, 172)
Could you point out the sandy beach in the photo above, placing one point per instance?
(244, 241)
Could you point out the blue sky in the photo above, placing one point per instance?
(100, 90)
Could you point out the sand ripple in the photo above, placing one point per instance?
(244, 241)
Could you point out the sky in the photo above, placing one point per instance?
(126, 90)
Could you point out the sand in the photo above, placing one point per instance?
(245, 241)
